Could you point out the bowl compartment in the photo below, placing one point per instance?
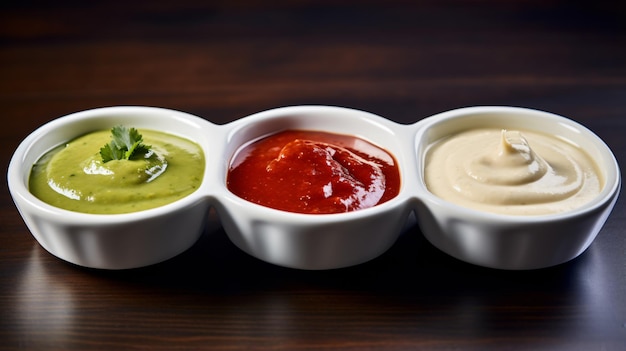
(508, 241)
(314, 241)
(110, 241)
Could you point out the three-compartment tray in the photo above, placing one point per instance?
(305, 241)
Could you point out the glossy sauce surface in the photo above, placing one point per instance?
(73, 176)
(313, 172)
(511, 172)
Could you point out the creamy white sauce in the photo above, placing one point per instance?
(511, 172)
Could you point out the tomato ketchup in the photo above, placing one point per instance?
(313, 172)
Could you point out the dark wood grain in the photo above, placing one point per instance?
(223, 60)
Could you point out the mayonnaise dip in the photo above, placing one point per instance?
(511, 172)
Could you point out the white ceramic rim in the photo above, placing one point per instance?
(382, 125)
(214, 185)
(608, 193)
(19, 166)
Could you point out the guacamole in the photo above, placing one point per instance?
(74, 177)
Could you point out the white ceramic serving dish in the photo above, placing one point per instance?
(508, 241)
(300, 240)
(314, 241)
(110, 241)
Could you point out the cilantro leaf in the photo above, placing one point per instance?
(124, 144)
(110, 152)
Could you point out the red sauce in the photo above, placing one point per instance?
(314, 172)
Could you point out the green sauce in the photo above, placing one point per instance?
(73, 176)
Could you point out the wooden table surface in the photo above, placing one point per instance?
(222, 60)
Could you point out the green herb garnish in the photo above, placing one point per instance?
(124, 144)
